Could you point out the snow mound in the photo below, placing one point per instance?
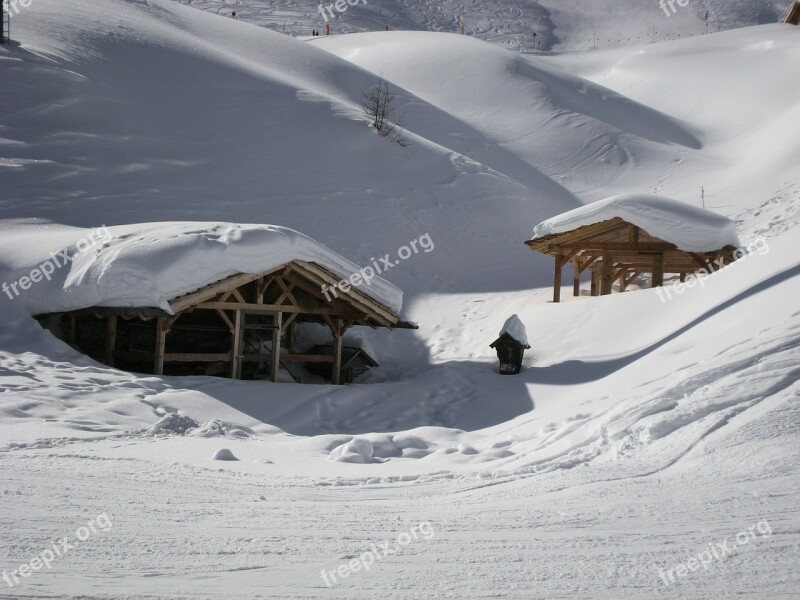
(690, 228)
(516, 329)
(148, 264)
(173, 423)
(217, 428)
(357, 450)
(224, 454)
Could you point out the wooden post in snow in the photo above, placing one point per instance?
(658, 270)
(111, 339)
(557, 278)
(336, 376)
(161, 342)
(276, 347)
(236, 345)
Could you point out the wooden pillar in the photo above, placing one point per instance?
(111, 339)
(658, 270)
(72, 328)
(336, 376)
(276, 347)
(259, 293)
(576, 277)
(236, 345)
(161, 342)
(559, 263)
(290, 338)
(607, 275)
(623, 279)
(595, 282)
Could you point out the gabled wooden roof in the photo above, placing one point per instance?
(607, 235)
(297, 289)
(309, 279)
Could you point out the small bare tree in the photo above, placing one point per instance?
(377, 103)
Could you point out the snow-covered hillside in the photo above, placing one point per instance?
(643, 428)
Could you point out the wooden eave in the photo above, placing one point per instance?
(353, 305)
(793, 16)
(616, 235)
(310, 277)
(612, 234)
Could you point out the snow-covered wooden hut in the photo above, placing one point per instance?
(624, 237)
(244, 301)
(793, 16)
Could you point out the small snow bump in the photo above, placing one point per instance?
(224, 454)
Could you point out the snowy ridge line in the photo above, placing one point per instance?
(560, 25)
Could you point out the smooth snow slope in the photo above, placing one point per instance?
(208, 119)
(741, 89)
(205, 118)
(576, 133)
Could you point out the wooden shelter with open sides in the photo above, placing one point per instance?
(617, 252)
(267, 325)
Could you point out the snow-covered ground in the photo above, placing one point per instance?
(650, 446)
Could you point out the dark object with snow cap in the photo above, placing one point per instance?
(511, 346)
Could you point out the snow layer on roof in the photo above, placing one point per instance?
(690, 228)
(148, 264)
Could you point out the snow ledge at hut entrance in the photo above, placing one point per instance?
(148, 264)
(690, 228)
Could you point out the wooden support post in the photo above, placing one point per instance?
(336, 376)
(595, 282)
(623, 280)
(607, 276)
(236, 345)
(72, 332)
(276, 347)
(557, 278)
(161, 342)
(290, 337)
(111, 339)
(576, 277)
(658, 270)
